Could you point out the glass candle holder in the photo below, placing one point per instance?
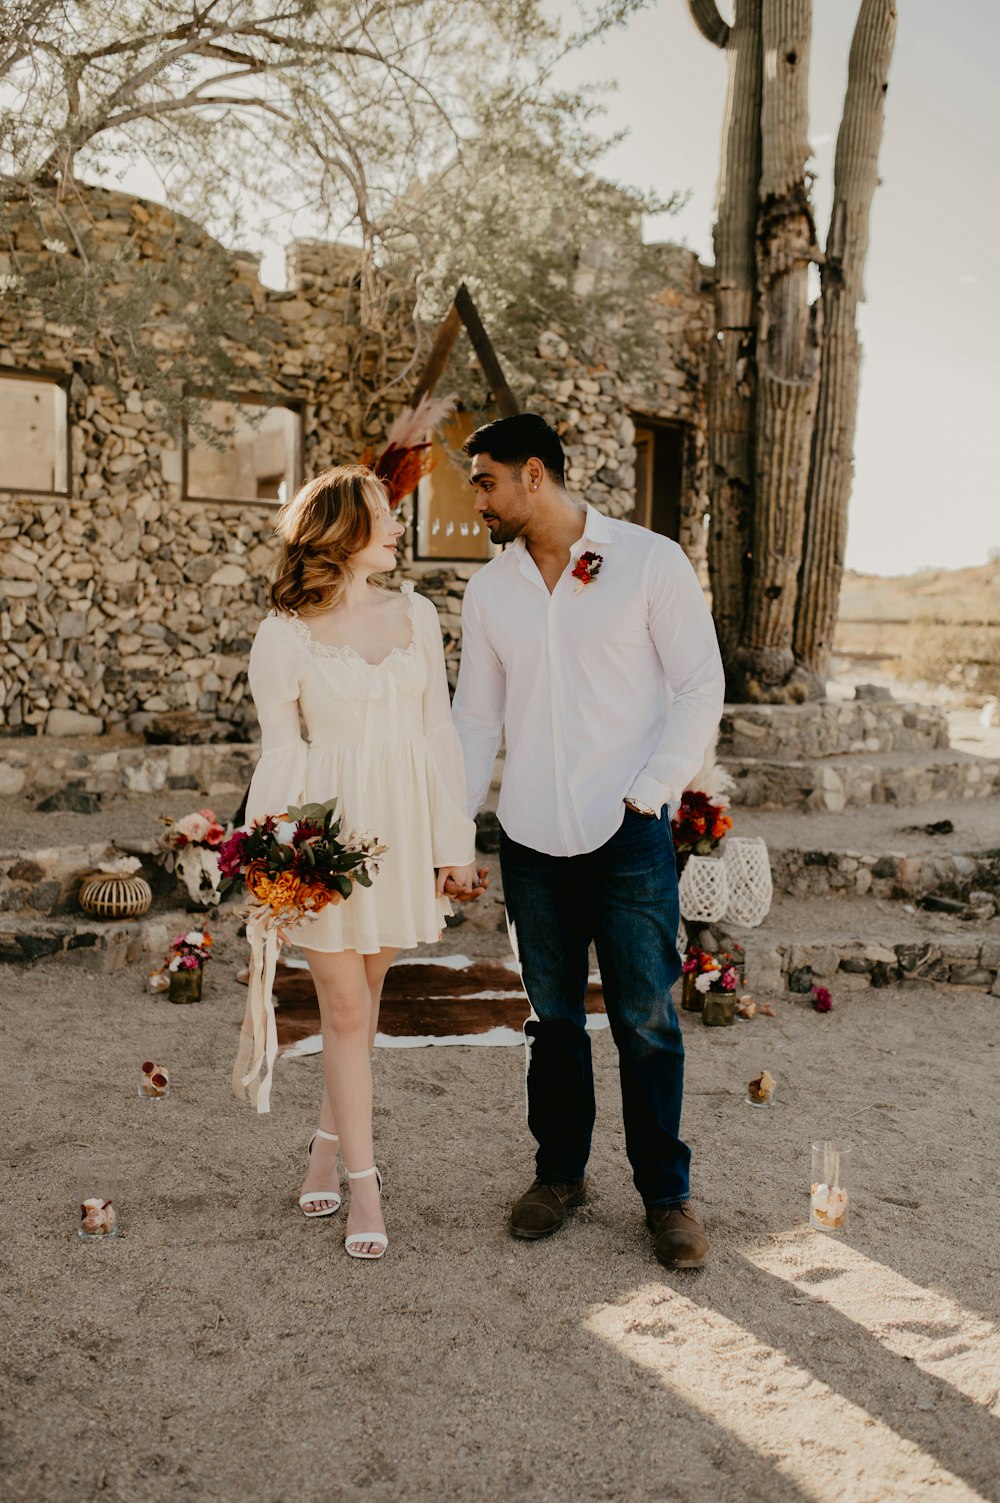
(96, 1197)
(692, 1000)
(760, 1091)
(828, 1194)
(719, 1010)
(154, 1082)
(185, 986)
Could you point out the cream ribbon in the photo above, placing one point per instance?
(259, 1034)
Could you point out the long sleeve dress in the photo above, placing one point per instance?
(379, 738)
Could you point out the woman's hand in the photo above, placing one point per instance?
(463, 883)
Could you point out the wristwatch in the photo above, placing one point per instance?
(640, 808)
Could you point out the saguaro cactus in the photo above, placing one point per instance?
(783, 380)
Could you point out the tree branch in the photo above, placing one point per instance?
(705, 15)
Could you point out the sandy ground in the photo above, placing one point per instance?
(223, 1348)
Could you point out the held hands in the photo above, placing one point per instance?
(462, 883)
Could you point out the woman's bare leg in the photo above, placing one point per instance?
(376, 967)
(345, 1007)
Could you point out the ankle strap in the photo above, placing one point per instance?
(362, 1173)
(331, 1137)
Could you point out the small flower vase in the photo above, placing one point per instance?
(185, 986)
(719, 1010)
(692, 1000)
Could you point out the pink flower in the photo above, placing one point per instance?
(822, 1001)
(689, 965)
(215, 834)
(189, 962)
(729, 979)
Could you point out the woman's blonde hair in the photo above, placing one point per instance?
(321, 528)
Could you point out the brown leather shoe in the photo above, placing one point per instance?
(679, 1238)
(542, 1209)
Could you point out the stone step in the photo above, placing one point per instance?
(835, 783)
(830, 729)
(852, 944)
(949, 847)
(35, 767)
(46, 879)
(93, 944)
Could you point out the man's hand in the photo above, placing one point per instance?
(463, 883)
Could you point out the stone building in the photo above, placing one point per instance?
(133, 558)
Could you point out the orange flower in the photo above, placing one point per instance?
(284, 891)
(258, 880)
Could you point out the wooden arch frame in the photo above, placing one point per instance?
(463, 311)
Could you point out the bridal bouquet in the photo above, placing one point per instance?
(293, 865)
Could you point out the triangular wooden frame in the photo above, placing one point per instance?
(463, 311)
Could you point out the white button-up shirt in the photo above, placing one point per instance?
(605, 692)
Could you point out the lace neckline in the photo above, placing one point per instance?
(343, 650)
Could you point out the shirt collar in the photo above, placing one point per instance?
(595, 530)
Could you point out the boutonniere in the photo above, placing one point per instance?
(588, 566)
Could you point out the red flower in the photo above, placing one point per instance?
(587, 568)
(822, 1001)
(231, 856)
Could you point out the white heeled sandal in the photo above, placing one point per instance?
(312, 1196)
(359, 1238)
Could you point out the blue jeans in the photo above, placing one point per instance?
(623, 896)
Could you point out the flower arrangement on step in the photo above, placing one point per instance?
(293, 865)
(708, 973)
(190, 846)
(180, 973)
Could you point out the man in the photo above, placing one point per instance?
(590, 643)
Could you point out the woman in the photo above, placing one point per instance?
(364, 668)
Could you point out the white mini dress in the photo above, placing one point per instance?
(378, 737)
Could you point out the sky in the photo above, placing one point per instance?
(926, 489)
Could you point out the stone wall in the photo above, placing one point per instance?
(123, 599)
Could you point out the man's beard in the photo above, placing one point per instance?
(505, 532)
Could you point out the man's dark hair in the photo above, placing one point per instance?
(515, 440)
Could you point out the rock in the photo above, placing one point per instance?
(70, 801)
(229, 574)
(199, 570)
(801, 980)
(44, 896)
(935, 903)
(72, 723)
(857, 965)
(34, 946)
(12, 780)
(989, 955)
(871, 692)
(180, 728)
(969, 975)
(884, 974)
